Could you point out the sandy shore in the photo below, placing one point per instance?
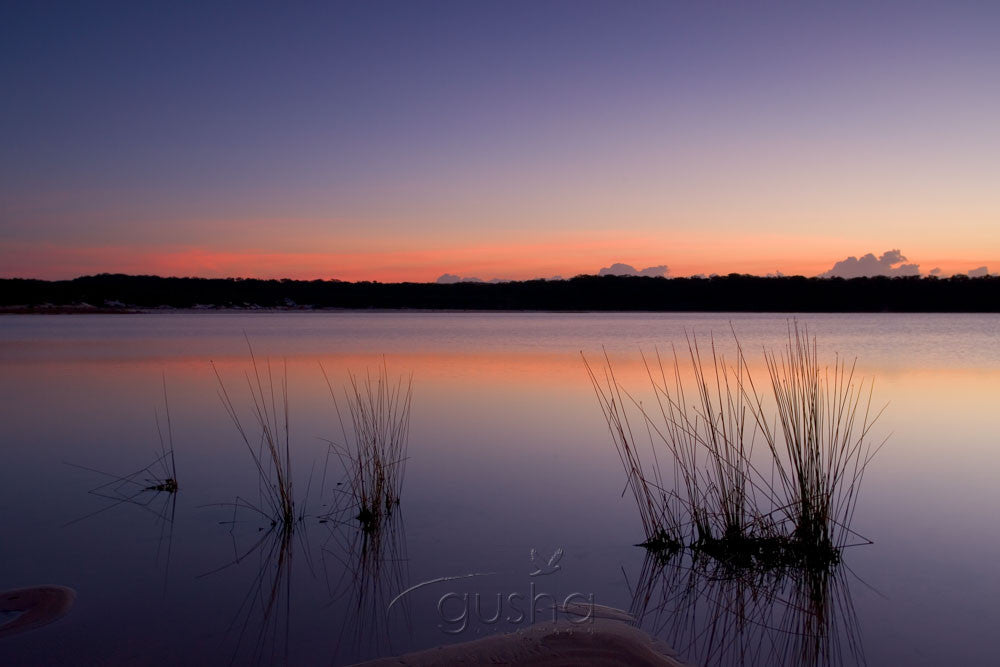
(604, 641)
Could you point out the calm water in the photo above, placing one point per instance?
(508, 453)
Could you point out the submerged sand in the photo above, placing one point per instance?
(603, 641)
(38, 606)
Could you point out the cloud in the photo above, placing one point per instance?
(891, 263)
(981, 272)
(619, 269)
(936, 271)
(449, 278)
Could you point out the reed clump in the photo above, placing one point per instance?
(167, 480)
(696, 480)
(159, 476)
(375, 437)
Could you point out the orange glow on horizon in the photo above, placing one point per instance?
(425, 260)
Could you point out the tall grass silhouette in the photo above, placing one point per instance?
(375, 438)
(821, 446)
(144, 485)
(694, 476)
(269, 443)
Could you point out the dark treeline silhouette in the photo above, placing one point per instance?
(734, 292)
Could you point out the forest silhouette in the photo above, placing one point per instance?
(734, 292)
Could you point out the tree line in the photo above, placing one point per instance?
(734, 292)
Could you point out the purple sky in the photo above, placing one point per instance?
(404, 140)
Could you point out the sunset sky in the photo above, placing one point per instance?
(401, 141)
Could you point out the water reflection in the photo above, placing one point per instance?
(714, 614)
(260, 630)
(365, 570)
(505, 436)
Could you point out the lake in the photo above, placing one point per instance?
(509, 461)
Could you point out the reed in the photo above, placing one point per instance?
(821, 444)
(167, 481)
(268, 444)
(159, 476)
(655, 501)
(373, 451)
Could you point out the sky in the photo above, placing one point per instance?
(402, 141)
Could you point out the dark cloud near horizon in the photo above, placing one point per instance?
(616, 269)
(620, 269)
(449, 278)
(891, 263)
(979, 272)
